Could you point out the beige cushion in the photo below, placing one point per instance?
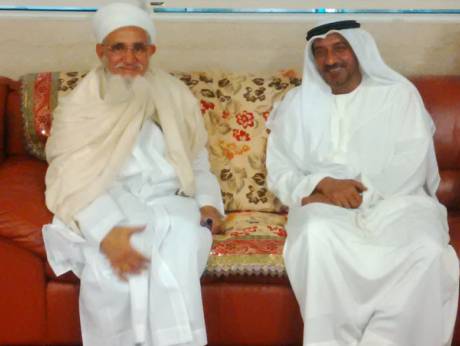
(235, 108)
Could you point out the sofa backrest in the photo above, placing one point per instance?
(235, 107)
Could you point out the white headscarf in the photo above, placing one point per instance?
(117, 15)
(310, 105)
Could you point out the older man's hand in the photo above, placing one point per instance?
(123, 258)
(211, 218)
(344, 193)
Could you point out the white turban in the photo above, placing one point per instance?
(117, 15)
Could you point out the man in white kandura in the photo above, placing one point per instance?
(128, 177)
(351, 153)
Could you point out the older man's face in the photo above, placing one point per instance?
(336, 63)
(126, 51)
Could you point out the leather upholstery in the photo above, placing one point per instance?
(62, 324)
(13, 122)
(449, 189)
(441, 97)
(251, 314)
(22, 295)
(3, 94)
(23, 211)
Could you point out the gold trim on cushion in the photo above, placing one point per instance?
(252, 244)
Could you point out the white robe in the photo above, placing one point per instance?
(162, 305)
(382, 274)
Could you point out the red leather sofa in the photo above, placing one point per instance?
(37, 308)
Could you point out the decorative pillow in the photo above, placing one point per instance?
(235, 108)
(40, 93)
(251, 245)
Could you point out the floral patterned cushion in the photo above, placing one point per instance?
(235, 109)
(251, 245)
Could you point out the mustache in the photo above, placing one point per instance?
(136, 65)
(328, 68)
(125, 88)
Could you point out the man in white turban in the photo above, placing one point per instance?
(129, 184)
(351, 153)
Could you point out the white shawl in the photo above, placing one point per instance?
(91, 138)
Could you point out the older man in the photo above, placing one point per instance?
(351, 153)
(129, 182)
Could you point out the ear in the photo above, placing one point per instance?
(100, 50)
(152, 49)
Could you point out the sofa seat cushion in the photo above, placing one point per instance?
(22, 201)
(252, 244)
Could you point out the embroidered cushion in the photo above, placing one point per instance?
(251, 245)
(40, 93)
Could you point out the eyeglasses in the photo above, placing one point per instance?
(121, 49)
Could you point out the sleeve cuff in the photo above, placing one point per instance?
(98, 218)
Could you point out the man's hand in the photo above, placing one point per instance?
(344, 193)
(122, 256)
(211, 218)
(315, 197)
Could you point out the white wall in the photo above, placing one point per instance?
(413, 44)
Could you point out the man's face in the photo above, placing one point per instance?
(126, 51)
(336, 63)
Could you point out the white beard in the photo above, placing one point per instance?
(120, 89)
